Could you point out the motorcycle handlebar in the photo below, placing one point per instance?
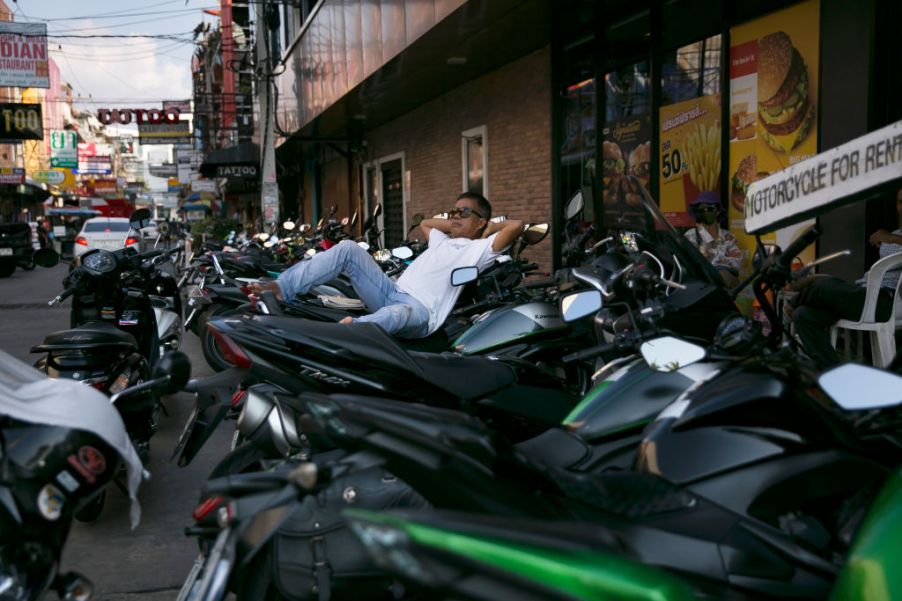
(63, 296)
(590, 352)
(798, 245)
(235, 486)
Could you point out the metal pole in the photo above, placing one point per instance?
(269, 186)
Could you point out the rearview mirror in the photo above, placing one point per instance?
(670, 354)
(535, 233)
(262, 236)
(580, 304)
(46, 257)
(345, 221)
(288, 225)
(310, 252)
(305, 227)
(402, 252)
(464, 275)
(363, 245)
(139, 219)
(857, 387)
(574, 205)
(177, 366)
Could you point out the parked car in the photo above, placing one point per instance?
(108, 233)
(15, 247)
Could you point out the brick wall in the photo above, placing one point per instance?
(514, 104)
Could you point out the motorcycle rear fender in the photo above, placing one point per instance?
(213, 400)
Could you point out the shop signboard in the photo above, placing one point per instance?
(203, 185)
(774, 66)
(164, 133)
(50, 176)
(12, 175)
(690, 155)
(23, 55)
(188, 162)
(63, 149)
(824, 179)
(20, 120)
(94, 159)
(163, 170)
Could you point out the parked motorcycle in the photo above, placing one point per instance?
(61, 444)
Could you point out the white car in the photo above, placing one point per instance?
(108, 233)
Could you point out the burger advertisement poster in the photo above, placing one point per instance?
(626, 150)
(773, 103)
(690, 155)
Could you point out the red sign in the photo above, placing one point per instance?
(141, 116)
(744, 59)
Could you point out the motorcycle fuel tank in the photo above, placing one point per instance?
(506, 324)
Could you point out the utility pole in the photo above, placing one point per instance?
(268, 185)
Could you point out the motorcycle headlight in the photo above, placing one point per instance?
(120, 383)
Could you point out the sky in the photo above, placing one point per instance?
(120, 72)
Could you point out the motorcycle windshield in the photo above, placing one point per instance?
(633, 219)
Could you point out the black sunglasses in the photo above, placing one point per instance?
(707, 209)
(464, 212)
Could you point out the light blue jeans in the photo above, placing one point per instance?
(394, 311)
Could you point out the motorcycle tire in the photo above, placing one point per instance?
(92, 511)
(212, 353)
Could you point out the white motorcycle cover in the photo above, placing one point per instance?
(28, 395)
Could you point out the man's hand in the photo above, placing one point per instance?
(258, 288)
(882, 236)
(508, 231)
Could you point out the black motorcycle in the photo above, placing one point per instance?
(114, 341)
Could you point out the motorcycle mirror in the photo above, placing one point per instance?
(416, 220)
(535, 233)
(269, 244)
(262, 236)
(288, 225)
(305, 227)
(46, 257)
(377, 210)
(580, 304)
(382, 255)
(857, 387)
(464, 275)
(670, 354)
(574, 205)
(345, 221)
(310, 252)
(498, 219)
(177, 366)
(402, 252)
(139, 219)
(363, 245)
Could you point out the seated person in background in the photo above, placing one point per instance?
(422, 298)
(824, 300)
(717, 244)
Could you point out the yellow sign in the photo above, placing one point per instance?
(690, 155)
(774, 64)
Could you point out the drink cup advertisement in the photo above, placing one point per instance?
(690, 155)
(773, 107)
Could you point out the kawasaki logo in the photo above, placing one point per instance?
(324, 377)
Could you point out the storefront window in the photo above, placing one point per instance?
(578, 146)
(690, 129)
(626, 141)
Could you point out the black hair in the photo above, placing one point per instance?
(482, 203)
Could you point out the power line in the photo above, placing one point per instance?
(126, 16)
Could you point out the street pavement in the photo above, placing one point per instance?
(151, 562)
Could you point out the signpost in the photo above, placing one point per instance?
(809, 186)
(63, 149)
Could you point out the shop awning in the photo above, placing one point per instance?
(31, 190)
(245, 153)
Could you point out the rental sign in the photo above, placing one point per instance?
(813, 184)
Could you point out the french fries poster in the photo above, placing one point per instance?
(774, 65)
(690, 155)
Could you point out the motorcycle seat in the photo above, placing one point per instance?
(88, 336)
(465, 378)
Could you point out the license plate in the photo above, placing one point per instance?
(186, 432)
(6, 252)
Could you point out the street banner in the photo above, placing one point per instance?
(23, 55)
(63, 149)
(824, 179)
(774, 67)
(690, 155)
(94, 159)
(21, 121)
(12, 175)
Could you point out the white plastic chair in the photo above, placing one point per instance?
(882, 334)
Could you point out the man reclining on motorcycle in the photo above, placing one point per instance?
(423, 297)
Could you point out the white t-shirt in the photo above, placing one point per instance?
(428, 278)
